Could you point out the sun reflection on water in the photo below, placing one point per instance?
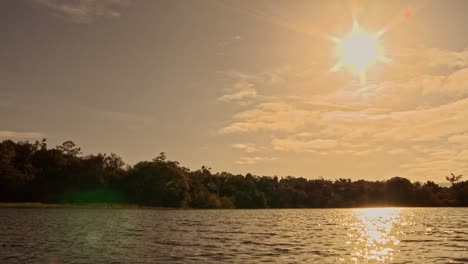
(375, 233)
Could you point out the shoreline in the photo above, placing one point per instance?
(134, 206)
(85, 206)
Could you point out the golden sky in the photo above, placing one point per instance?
(244, 86)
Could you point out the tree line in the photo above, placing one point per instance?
(32, 172)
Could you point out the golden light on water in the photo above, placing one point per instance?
(358, 51)
(375, 237)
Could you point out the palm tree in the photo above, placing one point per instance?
(453, 178)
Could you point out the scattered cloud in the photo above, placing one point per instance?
(270, 77)
(249, 148)
(254, 160)
(230, 41)
(131, 120)
(429, 57)
(271, 116)
(408, 114)
(242, 91)
(304, 142)
(7, 134)
(398, 151)
(460, 138)
(84, 11)
(245, 87)
(431, 167)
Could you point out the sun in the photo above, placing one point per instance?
(358, 50)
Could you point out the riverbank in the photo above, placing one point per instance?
(134, 206)
(67, 205)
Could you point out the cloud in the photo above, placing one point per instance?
(328, 106)
(431, 124)
(433, 167)
(245, 86)
(462, 156)
(84, 11)
(254, 160)
(271, 116)
(421, 135)
(436, 161)
(412, 115)
(274, 76)
(304, 143)
(230, 41)
(366, 126)
(7, 134)
(269, 77)
(435, 89)
(460, 138)
(249, 148)
(134, 121)
(312, 143)
(431, 57)
(398, 151)
(242, 91)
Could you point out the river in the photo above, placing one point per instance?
(373, 235)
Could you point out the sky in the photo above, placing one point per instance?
(241, 86)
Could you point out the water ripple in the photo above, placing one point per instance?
(399, 235)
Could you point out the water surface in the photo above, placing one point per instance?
(386, 235)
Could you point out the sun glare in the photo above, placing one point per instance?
(358, 51)
(377, 233)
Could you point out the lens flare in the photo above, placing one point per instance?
(358, 50)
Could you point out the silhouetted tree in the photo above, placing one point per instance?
(69, 148)
(32, 172)
(453, 178)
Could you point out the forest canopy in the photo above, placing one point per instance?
(33, 172)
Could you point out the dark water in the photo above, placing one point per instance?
(391, 235)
